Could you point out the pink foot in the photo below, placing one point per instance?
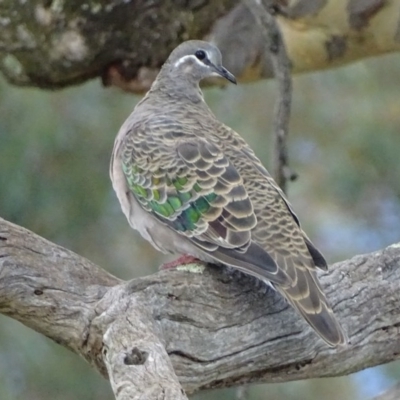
(182, 260)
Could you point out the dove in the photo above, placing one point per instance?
(192, 186)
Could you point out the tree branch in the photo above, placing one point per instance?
(273, 41)
(220, 328)
(55, 44)
(137, 363)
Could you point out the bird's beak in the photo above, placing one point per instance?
(220, 70)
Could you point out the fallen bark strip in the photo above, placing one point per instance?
(220, 328)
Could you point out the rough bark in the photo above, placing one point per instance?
(137, 363)
(53, 44)
(219, 327)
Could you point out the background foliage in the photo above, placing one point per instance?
(54, 155)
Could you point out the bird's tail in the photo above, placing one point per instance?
(307, 297)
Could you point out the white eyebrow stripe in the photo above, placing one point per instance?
(184, 58)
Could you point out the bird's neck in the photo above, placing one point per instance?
(166, 88)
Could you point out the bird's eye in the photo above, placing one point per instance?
(200, 54)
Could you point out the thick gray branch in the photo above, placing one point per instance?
(137, 363)
(53, 44)
(220, 328)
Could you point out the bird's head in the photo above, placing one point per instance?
(195, 60)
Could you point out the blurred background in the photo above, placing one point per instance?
(54, 155)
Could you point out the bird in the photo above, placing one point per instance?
(192, 186)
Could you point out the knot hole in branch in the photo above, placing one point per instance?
(136, 357)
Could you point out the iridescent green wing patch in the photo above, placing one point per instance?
(178, 200)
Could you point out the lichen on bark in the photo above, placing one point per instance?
(53, 44)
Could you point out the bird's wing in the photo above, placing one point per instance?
(192, 187)
(318, 259)
(278, 232)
